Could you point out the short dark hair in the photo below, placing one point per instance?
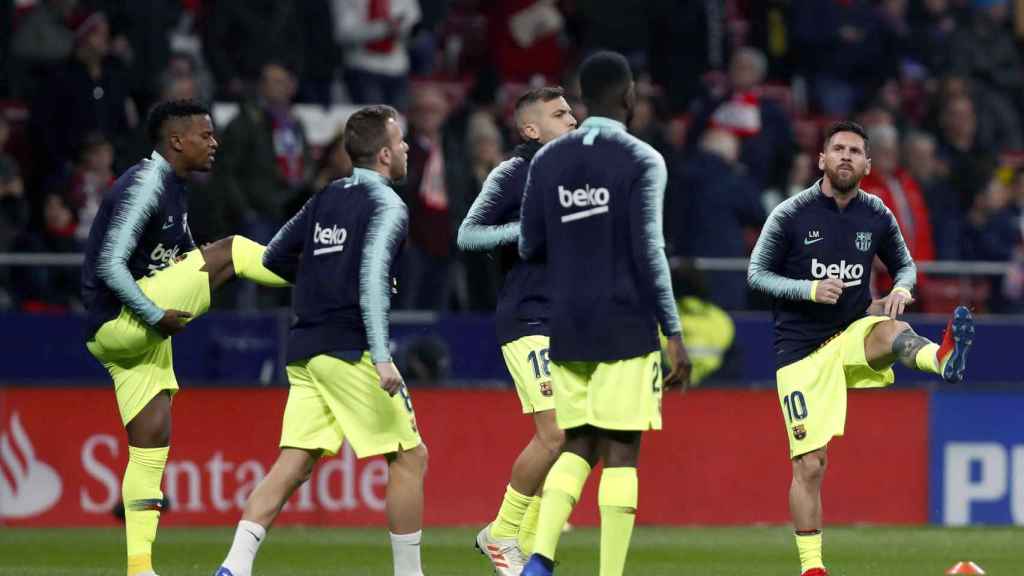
(848, 126)
(603, 76)
(366, 132)
(542, 94)
(166, 111)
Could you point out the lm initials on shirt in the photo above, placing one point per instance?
(593, 200)
(850, 274)
(332, 239)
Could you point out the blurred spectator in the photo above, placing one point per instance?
(83, 189)
(42, 40)
(89, 95)
(900, 192)
(244, 35)
(648, 122)
(994, 234)
(333, 163)
(14, 211)
(998, 124)
(185, 79)
(51, 287)
(968, 164)
(766, 136)
(689, 40)
(525, 39)
(842, 44)
(373, 34)
(480, 282)
(262, 163)
(139, 38)
(434, 191)
(934, 25)
(263, 157)
(942, 200)
(986, 50)
(709, 207)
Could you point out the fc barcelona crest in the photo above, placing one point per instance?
(799, 432)
(545, 389)
(863, 242)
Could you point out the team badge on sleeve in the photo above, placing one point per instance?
(863, 241)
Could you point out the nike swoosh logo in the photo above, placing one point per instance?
(168, 225)
(258, 539)
(808, 241)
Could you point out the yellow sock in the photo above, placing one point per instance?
(809, 547)
(247, 257)
(927, 359)
(142, 502)
(528, 528)
(510, 515)
(561, 492)
(616, 498)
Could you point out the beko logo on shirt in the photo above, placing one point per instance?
(595, 200)
(332, 238)
(163, 257)
(850, 274)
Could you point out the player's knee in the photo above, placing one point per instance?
(415, 459)
(810, 468)
(551, 439)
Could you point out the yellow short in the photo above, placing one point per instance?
(138, 357)
(527, 362)
(331, 400)
(620, 395)
(812, 391)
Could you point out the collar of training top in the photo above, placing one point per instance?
(603, 122)
(527, 150)
(364, 173)
(829, 201)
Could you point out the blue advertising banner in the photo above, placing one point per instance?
(977, 457)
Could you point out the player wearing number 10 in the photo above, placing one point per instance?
(542, 115)
(340, 248)
(814, 256)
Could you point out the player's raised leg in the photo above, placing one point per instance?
(805, 508)
(292, 468)
(894, 340)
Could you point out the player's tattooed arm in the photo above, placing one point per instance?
(906, 345)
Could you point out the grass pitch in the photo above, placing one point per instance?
(656, 551)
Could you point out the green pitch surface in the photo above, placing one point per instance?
(761, 551)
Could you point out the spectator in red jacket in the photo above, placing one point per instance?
(901, 193)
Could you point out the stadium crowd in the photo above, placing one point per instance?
(734, 94)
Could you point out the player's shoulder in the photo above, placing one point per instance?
(507, 169)
(791, 207)
(874, 204)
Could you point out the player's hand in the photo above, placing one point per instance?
(173, 322)
(390, 380)
(829, 290)
(894, 304)
(679, 363)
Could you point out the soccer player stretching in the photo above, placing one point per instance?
(592, 208)
(143, 279)
(814, 257)
(341, 249)
(542, 114)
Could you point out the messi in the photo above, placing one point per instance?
(582, 197)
